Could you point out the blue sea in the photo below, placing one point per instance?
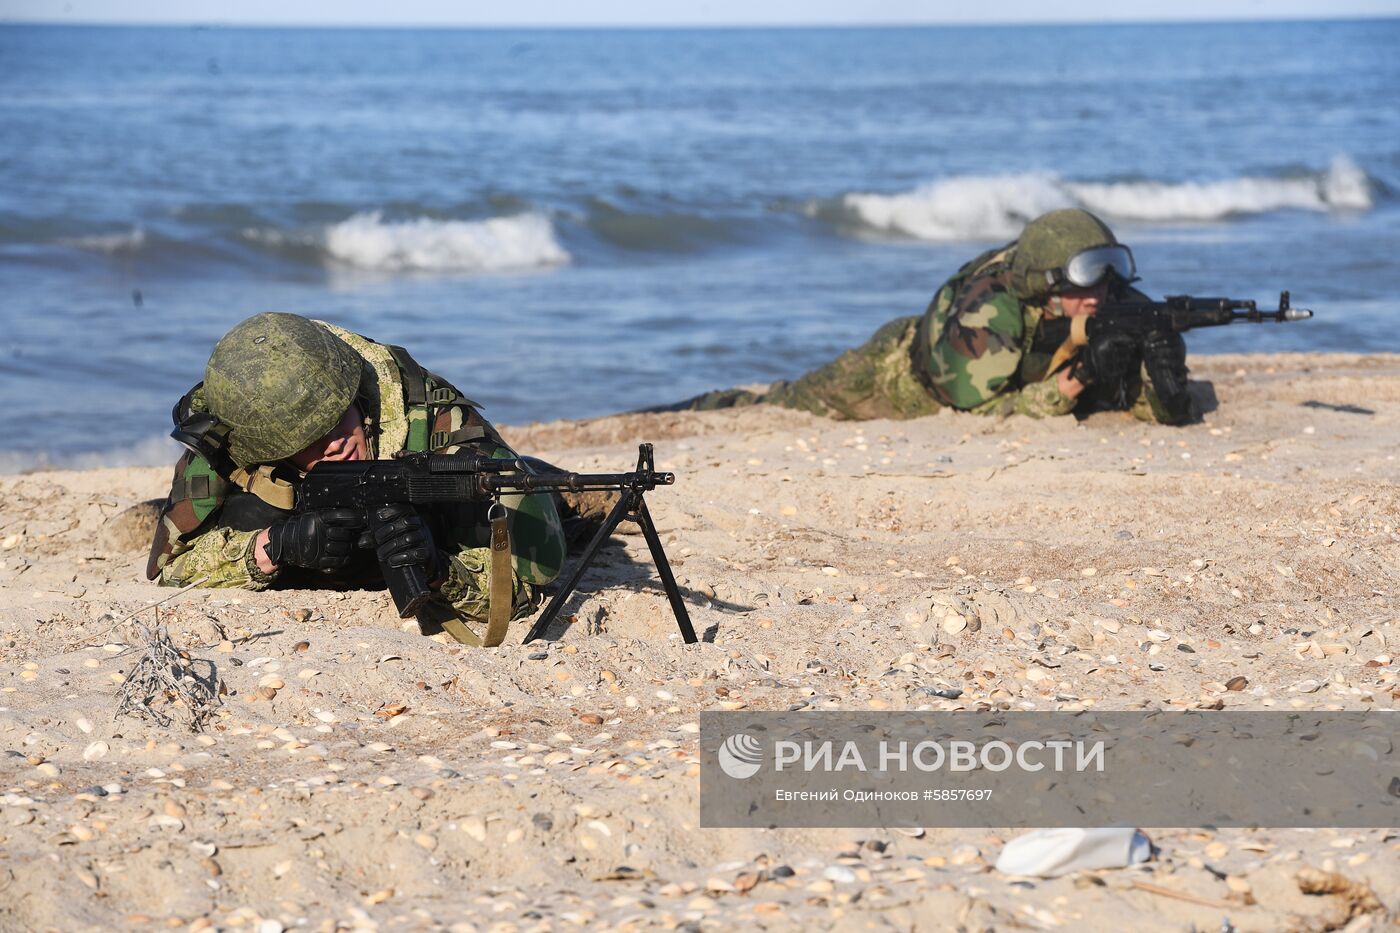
(572, 223)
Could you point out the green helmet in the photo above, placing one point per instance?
(280, 382)
(1049, 243)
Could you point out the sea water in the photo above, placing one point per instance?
(572, 223)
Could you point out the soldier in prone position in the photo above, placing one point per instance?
(286, 393)
(974, 349)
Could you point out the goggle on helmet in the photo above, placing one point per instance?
(1093, 267)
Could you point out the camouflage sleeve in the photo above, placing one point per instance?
(975, 348)
(189, 545)
(218, 557)
(1038, 400)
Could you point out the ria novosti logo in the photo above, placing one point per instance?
(741, 756)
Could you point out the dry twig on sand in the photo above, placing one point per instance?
(84, 639)
(1187, 896)
(164, 684)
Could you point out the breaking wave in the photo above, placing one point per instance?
(997, 206)
(129, 241)
(367, 241)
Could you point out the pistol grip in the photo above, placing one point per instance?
(408, 585)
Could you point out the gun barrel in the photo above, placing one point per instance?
(1281, 315)
(575, 482)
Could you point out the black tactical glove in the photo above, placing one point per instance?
(319, 540)
(1164, 358)
(1106, 360)
(401, 538)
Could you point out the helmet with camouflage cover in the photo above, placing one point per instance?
(1049, 243)
(280, 382)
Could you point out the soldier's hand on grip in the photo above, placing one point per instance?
(1105, 360)
(1164, 358)
(319, 540)
(401, 538)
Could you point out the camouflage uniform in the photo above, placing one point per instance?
(971, 350)
(209, 525)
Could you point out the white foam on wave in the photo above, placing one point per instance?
(1343, 187)
(153, 451)
(277, 239)
(130, 241)
(997, 206)
(971, 206)
(367, 241)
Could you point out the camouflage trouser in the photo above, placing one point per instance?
(875, 380)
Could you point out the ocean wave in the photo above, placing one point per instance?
(638, 230)
(997, 206)
(153, 451)
(367, 241)
(128, 241)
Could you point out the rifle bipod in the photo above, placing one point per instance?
(631, 506)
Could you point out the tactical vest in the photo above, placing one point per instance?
(921, 351)
(1036, 361)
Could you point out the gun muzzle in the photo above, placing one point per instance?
(1295, 314)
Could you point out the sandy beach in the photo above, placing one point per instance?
(359, 775)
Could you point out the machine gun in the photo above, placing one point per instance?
(426, 479)
(1176, 313)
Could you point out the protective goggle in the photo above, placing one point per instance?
(1093, 266)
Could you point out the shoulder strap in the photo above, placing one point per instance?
(428, 393)
(414, 376)
(271, 484)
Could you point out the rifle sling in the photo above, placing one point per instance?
(500, 591)
(459, 631)
(499, 608)
(1078, 337)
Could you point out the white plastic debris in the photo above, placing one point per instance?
(1047, 853)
